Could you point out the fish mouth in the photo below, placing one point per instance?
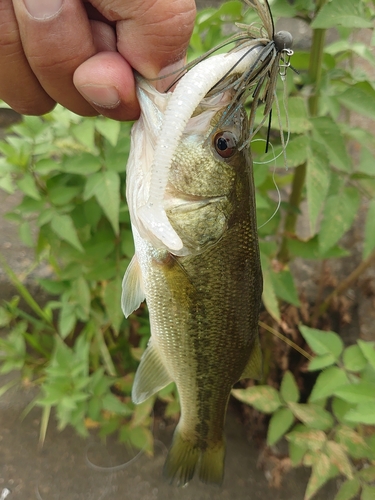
(182, 203)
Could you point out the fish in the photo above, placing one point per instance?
(191, 198)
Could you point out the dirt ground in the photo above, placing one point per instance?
(71, 468)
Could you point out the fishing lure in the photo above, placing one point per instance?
(251, 69)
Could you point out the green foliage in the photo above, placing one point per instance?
(71, 172)
(321, 170)
(332, 444)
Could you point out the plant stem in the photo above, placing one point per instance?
(345, 284)
(285, 339)
(23, 291)
(315, 75)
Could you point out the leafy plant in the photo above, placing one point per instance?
(78, 347)
(333, 431)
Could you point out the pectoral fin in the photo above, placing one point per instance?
(254, 367)
(151, 376)
(132, 288)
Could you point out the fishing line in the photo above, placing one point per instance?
(283, 141)
(113, 468)
(274, 183)
(124, 465)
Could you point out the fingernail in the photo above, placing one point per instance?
(99, 95)
(43, 9)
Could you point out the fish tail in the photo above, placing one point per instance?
(211, 470)
(185, 457)
(182, 460)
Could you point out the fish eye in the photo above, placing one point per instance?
(225, 144)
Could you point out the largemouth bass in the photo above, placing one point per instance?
(203, 297)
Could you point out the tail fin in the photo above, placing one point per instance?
(184, 457)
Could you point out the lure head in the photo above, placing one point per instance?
(283, 40)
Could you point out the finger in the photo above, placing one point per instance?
(106, 80)
(104, 36)
(18, 85)
(56, 38)
(151, 34)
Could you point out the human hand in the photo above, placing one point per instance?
(81, 54)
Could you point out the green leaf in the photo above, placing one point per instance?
(82, 164)
(312, 415)
(299, 122)
(289, 389)
(111, 403)
(348, 490)
(322, 471)
(318, 178)
(111, 298)
(27, 185)
(328, 382)
(353, 358)
(322, 342)
(269, 296)
(7, 184)
(108, 196)
(61, 195)
(359, 98)
(328, 134)
(26, 234)
(354, 443)
(141, 415)
(84, 132)
(320, 362)
(281, 421)
(263, 397)
(62, 226)
(141, 438)
(5, 317)
(81, 294)
(368, 473)
(309, 249)
(105, 186)
(338, 216)
(313, 440)
(363, 414)
(110, 129)
(357, 393)
(368, 492)
(67, 319)
(339, 458)
(283, 284)
(46, 166)
(369, 239)
(340, 408)
(368, 350)
(366, 162)
(341, 13)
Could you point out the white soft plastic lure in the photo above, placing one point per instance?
(179, 107)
